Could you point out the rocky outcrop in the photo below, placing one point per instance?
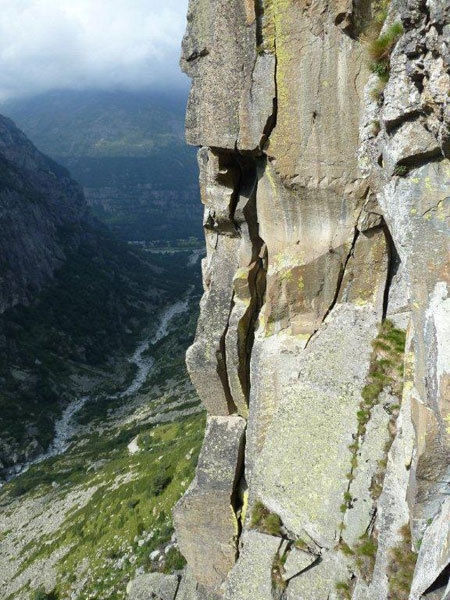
(326, 218)
(41, 210)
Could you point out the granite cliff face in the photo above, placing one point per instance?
(41, 208)
(323, 347)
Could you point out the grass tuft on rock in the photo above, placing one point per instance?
(343, 590)
(264, 520)
(365, 551)
(380, 45)
(401, 566)
(278, 581)
(174, 561)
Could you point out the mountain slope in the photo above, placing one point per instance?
(98, 511)
(41, 208)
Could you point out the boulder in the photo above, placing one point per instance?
(153, 586)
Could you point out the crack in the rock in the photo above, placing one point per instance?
(422, 158)
(338, 285)
(197, 54)
(222, 362)
(272, 119)
(394, 125)
(246, 205)
(313, 565)
(435, 207)
(392, 268)
(236, 501)
(179, 579)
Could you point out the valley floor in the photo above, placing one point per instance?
(96, 510)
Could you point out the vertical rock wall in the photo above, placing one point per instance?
(326, 198)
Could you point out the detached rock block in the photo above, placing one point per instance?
(190, 590)
(251, 578)
(319, 581)
(434, 555)
(411, 144)
(300, 471)
(233, 88)
(296, 562)
(204, 518)
(205, 359)
(257, 105)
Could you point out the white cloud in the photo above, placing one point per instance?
(48, 44)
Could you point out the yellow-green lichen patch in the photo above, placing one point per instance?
(267, 26)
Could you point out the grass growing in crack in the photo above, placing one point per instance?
(380, 45)
(380, 10)
(401, 566)
(380, 49)
(401, 170)
(264, 520)
(174, 561)
(301, 545)
(278, 581)
(343, 590)
(385, 372)
(345, 548)
(365, 552)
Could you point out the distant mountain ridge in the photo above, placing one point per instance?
(127, 149)
(101, 123)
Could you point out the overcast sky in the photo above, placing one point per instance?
(54, 44)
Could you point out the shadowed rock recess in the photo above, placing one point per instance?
(322, 352)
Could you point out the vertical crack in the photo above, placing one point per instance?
(393, 265)
(338, 283)
(222, 364)
(246, 224)
(238, 496)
